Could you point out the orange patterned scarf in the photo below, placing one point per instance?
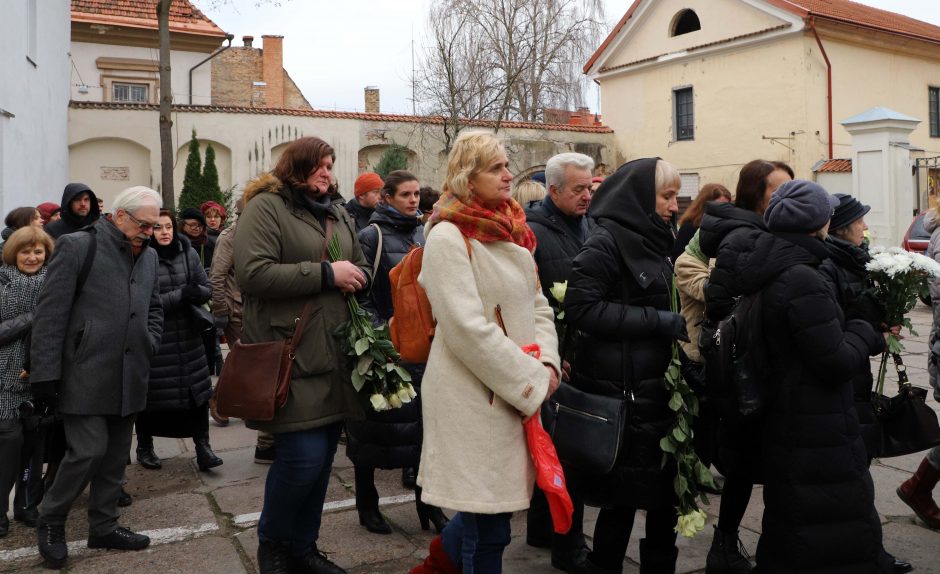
(505, 223)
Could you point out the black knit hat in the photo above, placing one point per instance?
(192, 213)
(848, 210)
(799, 206)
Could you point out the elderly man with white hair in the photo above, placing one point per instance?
(97, 324)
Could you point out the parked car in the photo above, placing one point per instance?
(917, 239)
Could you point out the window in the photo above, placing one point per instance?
(934, 105)
(132, 93)
(683, 116)
(684, 22)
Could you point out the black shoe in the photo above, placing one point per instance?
(538, 542)
(274, 558)
(120, 539)
(205, 458)
(148, 459)
(314, 562)
(4, 526)
(124, 499)
(727, 555)
(52, 548)
(28, 516)
(900, 566)
(264, 455)
(428, 515)
(374, 522)
(588, 567)
(409, 477)
(570, 560)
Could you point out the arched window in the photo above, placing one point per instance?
(684, 22)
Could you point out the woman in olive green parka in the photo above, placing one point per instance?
(279, 266)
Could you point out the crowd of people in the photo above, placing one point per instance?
(112, 323)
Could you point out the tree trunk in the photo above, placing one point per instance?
(166, 104)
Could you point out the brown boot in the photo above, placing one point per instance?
(214, 411)
(437, 562)
(917, 491)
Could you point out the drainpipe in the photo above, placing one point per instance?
(228, 37)
(812, 26)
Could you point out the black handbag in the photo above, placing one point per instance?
(907, 423)
(202, 319)
(587, 429)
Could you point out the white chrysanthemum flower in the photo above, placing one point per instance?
(926, 264)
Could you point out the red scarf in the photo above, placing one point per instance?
(475, 221)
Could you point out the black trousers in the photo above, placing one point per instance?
(612, 533)
(539, 528)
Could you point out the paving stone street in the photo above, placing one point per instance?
(206, 521)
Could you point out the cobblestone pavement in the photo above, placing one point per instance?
(206, 522)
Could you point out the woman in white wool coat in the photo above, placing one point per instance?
(479, 385)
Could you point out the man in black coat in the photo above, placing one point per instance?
(91, 349)
(368, 190)
(79, 209)
(561, 225)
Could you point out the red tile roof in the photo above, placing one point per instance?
(833, 166)
(436, 120)
(184, 17)
(842, 11)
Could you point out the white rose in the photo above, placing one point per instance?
(403, 395)
(379, 403)
(558, 291)
(394, 401)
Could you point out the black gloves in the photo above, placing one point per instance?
(673, 325)
(191, 293)
(221, 322)
(45, 392)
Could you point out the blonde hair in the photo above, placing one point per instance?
(666, 174)
(528, 191)
(473, 151)
(26, 237)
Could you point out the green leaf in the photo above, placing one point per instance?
(681, 485)
(675, 403)
(679, 435)
(365, 362)
(673, 373)
(702, 475)
(403, 373)
(560, 316)
(361, 346)
(358, 381)
(666, 445)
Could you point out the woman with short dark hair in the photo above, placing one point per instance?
(281, 265)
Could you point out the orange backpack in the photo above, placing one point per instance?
(411, 328)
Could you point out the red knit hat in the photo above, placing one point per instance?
(367, 182)
(47, 209)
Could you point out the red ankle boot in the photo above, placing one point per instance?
(917, 492)
(437, 562)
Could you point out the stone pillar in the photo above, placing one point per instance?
(881, 171)
(272, 67)
(372, 100)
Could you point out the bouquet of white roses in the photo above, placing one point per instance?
(376, 371)
(898, 277)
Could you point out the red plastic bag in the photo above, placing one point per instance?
(549, 475)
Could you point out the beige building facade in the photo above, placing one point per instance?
(712, 84)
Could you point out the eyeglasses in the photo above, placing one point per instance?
(194, 226)
(144, 226)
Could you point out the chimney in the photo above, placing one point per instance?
(272, 68)
(248, 40)
(372, 100)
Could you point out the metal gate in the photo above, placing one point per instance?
(927, 182)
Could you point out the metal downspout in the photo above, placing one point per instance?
(228, 37)
(812, 26)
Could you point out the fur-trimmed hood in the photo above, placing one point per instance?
(264, 183)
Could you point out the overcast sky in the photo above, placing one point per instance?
(333, 50)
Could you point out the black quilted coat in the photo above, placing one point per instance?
(179, 372)
(845, 268)
(819, 513)
(619, 281)
(559, 239)
(390, 439)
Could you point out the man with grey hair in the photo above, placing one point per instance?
(97, 324)
(561, 226)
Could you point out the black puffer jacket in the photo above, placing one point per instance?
(819, 511)
(558, 242)
(619, 282)
(845, 268)
(361, 214)
(390, 439)
(179, 372)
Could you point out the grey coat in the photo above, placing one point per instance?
(98, 347)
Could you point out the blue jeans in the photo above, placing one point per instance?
(475, 542)
(296, 487)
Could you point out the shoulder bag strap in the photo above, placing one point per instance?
(377, 258)
(301, 323)
(87, 263)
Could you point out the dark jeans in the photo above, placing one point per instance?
(475, 542)
(612, 533)
(367, 496)
(296, 487)
(97, 452)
